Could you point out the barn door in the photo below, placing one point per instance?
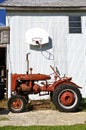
(2, 71)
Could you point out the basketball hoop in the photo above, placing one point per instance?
(37, 40)
(36, 36)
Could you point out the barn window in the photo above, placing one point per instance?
(74, 24)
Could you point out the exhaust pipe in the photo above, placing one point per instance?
(27, 59)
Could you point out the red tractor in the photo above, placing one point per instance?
(64, 93)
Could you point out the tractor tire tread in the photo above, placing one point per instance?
(58, 90)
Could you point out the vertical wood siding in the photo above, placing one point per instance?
(64, 50)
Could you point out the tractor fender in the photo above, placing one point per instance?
(57, 84)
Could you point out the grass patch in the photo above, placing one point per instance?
(72, 127)
(83, 105)
(42, 105)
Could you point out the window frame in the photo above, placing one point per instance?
(75, 24)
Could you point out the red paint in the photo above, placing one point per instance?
(16, 104)
(67, 98)
(28, 84)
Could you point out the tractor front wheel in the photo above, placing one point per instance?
(16, 104)
(67, 98)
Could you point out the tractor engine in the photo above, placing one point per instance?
(25, 84)
(27, 87)
(23, 87)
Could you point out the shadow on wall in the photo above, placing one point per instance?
(44, 49)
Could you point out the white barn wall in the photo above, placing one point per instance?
(84, 54)
(76, 59)
(76, 56)
(59, 43)
(18, 48)
(65, 48)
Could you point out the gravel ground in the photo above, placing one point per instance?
(41, 117)
(40, 114)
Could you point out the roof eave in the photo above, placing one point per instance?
(42, 8)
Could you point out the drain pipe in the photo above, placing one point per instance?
(27, 59)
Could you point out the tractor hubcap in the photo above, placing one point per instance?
(67, 98)
(17, 104)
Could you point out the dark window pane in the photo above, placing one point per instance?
(75, 30)
(74, 18)
(75, 24)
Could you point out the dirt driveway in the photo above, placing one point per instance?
(40, 113)
(42, 117)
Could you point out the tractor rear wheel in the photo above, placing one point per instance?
(67, 98)
(17, 104)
